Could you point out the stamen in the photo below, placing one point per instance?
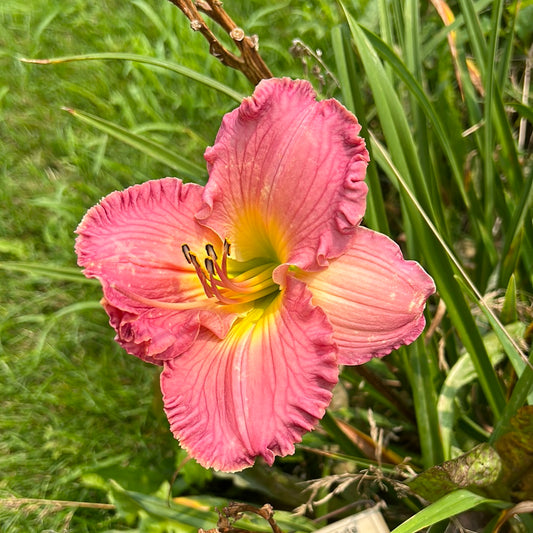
(225, 255)
(210, 266)
(256, 295)
(201, 275)
(211, 252)
(220, 297)
(249, 285)
(187, 253)
(175, 306)
(258, 274)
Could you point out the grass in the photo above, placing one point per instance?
(448, 179)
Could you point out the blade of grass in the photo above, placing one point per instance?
(168, 65)
(490, 59)
(515, 355)
(415, 89)
(457, 25)
(522, 390)
(52, 321)
(416, 361)
(450, 505)
(394, 122)
(520, 224)
(47, 271)
(413, 61)
(509, 160)
(358, 463)
(462, 373)
(145, 145)
(409, 27)
(375, 215)
(330, 425)
(484, 58)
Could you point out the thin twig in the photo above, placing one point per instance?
(249, 62)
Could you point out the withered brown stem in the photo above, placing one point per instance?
(234, 511)
(249, 62)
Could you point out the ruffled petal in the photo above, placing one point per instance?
(372, 296)
(257, 391)
(155, 335)
(286, 176)
(131, 241)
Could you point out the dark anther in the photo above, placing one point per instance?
(211, 251)
(209, 266)
(187, 253)
(227, 247)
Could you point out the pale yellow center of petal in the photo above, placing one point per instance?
(255, 237)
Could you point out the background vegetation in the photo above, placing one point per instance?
(451, 180)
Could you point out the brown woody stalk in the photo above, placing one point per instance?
(234, 511)
(249, 62)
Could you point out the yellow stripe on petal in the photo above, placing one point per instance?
(258, 390)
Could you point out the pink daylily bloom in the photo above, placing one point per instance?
(251, 291)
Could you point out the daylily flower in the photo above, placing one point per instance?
(252, 290)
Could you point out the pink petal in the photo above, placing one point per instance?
(286, 173)
(373, 298)
(256, 392)
(131, 241)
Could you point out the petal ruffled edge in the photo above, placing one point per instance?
(256, 392)
(131, 242)
(372, 296)
(287, 169)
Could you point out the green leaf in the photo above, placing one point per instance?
(475, 470)
(48, 271)
(168, 65)
(129, 503)
(503, 470)
(509, 312)
(462, 373)
(425, 402)
(515, 448)
(145, 145)
(450, 505)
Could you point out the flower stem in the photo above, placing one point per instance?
(249, 62)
